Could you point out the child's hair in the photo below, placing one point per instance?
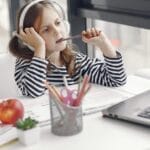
(22, 51)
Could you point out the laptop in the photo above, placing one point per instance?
(135, 109)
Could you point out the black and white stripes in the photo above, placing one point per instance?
(30, 75)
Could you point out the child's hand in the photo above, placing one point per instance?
(92, 36)
(99, 39)
(32, 38)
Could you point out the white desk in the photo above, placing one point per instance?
(98, 134)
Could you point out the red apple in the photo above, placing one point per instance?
(10, 111)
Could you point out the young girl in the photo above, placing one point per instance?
(42, 26)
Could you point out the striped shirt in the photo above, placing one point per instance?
(31, 74)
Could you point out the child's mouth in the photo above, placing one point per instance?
(59, 40)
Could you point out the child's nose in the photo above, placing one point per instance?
(56, 30)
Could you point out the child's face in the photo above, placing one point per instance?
(51, 30)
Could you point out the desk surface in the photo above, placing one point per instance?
(98, 133)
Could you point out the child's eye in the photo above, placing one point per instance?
(58, 22)
(45, 30)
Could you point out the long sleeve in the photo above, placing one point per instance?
(30, 76)
(109, 72)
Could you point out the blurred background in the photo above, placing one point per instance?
(132, 42)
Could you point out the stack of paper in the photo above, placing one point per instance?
(7, 133)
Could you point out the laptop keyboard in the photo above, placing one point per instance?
(145, 113)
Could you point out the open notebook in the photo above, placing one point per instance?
(97, 99)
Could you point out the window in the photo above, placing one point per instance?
(133, 43)
(4, 26)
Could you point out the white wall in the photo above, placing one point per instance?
(8, 86)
